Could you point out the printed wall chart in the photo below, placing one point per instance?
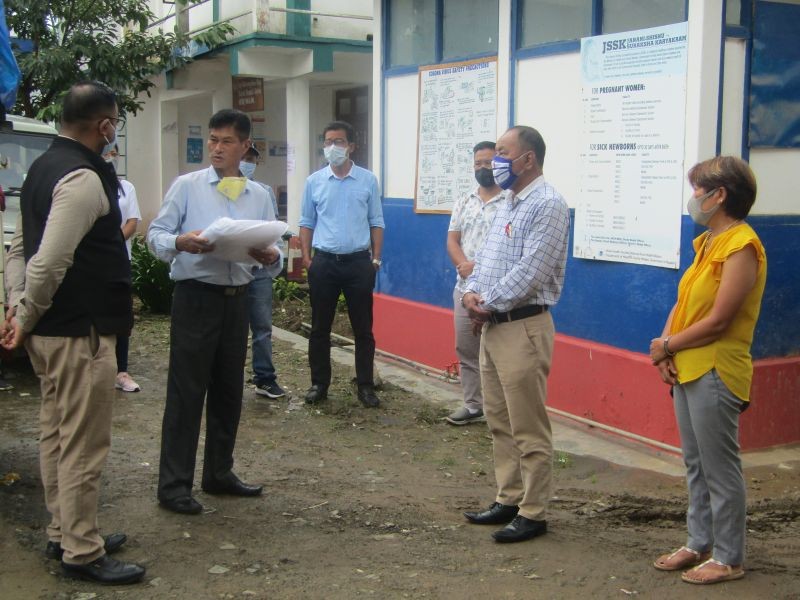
(457, 109)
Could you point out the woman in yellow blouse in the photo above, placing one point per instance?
(704, 354)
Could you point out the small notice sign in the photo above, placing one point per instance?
(248, 93)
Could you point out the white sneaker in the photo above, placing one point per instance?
(125, 383)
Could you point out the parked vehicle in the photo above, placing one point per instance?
(22, 141)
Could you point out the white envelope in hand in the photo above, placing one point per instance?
(233, 239)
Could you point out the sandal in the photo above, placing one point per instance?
(729, 574)
(680, 559)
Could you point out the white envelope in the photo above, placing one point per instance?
(232, 238)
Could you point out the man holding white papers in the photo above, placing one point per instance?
(208, 337)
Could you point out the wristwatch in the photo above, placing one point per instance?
(377, 262)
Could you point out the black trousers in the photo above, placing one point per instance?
(208, 346)
(328, 276)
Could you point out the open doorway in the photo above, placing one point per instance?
(352, 105)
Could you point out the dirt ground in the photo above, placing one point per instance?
(366, 503)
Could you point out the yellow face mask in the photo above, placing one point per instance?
(232, 187)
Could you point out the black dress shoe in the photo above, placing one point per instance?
(232, 486)
(519, 530)
(185, 505)
(105, 570)
(496, 514)
(366, 394)
(316, 394)
(112, 543)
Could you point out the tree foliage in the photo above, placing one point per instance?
(107, 40)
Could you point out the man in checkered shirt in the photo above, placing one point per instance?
(518, 276)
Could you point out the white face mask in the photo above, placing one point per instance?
(335, 155)
(247, 169)
(695, 208)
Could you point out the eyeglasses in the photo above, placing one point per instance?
(340, 142)
(119, 122)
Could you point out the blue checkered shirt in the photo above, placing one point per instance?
(524, 257)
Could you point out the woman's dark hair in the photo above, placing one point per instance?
(230, 117)
(731, 173)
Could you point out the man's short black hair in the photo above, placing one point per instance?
(88, 101)
(485, 145)
(530, 139)
(230, 117)
(341, 126)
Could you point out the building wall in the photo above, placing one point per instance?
(609, 311)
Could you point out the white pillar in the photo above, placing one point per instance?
(298, 154)
(170, 144)
(504, 90)
(702, 80)
(222, 96)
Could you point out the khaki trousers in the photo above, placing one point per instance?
(515, 361)
(468, 347)
(76, 375)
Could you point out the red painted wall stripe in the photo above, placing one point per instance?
(615, 387)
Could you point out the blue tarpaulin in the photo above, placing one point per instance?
(9, 70)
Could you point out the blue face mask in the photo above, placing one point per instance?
(502, 170)
(109, 147)
(247, 169)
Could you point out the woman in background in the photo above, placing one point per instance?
(129, 207)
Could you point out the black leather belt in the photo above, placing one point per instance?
(225, 290)
(516, 314)
(342, 257)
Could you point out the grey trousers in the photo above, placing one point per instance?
(708, 420)
(468, 348)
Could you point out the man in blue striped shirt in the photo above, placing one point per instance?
(342, 219)
(518, 276)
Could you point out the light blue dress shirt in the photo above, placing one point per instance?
(341, 211)
(193, 202)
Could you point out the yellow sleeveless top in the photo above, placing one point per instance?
(730, 354)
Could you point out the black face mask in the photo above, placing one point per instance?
(485, 177)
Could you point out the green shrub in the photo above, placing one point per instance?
(283, 289)
(151, 280)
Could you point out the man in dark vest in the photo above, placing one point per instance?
(69, 286)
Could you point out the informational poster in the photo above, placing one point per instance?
(258, 134)
(277, 148)
(194, 150)
(457, 109)
(631, 169)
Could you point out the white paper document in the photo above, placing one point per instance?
(233, 239)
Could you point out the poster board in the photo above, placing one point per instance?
(631, 174)
(248, 93)
(457, 109)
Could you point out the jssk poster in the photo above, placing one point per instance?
(631, 175)
(457, 109)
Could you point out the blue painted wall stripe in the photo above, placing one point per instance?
(618, 304)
